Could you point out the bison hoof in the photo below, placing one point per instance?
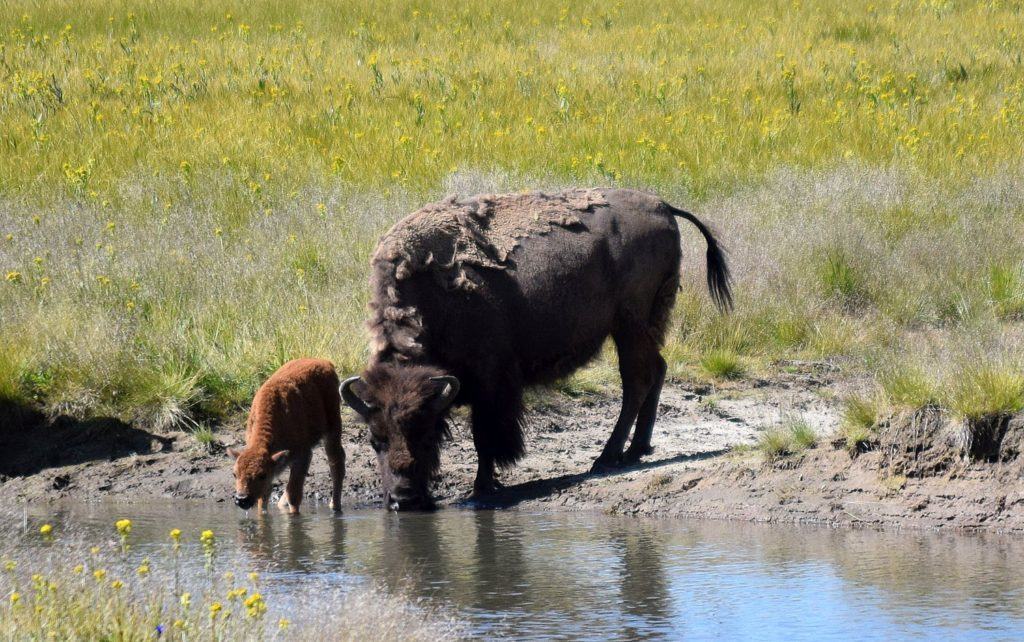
(489, 488)
(633, 456)
(606, 464)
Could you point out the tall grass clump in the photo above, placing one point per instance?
(859, 422)
(908, 386)
(792, 437)
(722, 364)
(985, 390)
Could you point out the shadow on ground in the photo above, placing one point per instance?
(538, 488)
(30, 442)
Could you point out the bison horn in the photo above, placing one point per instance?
(450, 390)
(351, 398)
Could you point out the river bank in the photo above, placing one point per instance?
(705, 463)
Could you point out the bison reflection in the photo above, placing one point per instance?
(500, 292)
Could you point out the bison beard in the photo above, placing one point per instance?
(498, 292)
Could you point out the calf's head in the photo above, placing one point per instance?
(254, 470)
(405, 408)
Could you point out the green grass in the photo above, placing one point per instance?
(859, 421)
(986, 390)
(203, 434)
(790, 438)
(190, 193)
(1006, 285)
(908, 386)
(722, 364)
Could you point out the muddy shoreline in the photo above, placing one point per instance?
(697, 471)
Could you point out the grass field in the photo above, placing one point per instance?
(189, 193)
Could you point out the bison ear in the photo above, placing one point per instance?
(234, 453)
(447, 389)
(280, 457)
(353, 391)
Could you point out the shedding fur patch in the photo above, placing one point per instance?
(480, 230)
(446, 237)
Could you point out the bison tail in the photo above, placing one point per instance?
(719, 278)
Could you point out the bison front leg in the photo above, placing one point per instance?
(292, 496)
(497, 434)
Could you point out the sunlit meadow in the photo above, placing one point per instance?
(190, 191)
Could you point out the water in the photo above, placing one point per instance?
(586, 576)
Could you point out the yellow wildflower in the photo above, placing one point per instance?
(99, 574)
(14, 276)
(116, 584)
(15, 597)
(186, 600)
(45, 529)
(124, 526)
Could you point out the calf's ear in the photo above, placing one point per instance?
(234, 453)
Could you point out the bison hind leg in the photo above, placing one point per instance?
(642, 370)
(640, 445)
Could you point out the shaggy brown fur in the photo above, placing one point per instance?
(293, 410)
(498, 292)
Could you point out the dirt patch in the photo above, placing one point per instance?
(694, 472)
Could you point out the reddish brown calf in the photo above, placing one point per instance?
(295, 408)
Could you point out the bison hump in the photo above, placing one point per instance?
(480, 231)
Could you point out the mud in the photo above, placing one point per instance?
(696, 470)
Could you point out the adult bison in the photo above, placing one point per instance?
(473, 299)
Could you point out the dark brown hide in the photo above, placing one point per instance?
(505, 291)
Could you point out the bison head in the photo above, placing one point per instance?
(254, 470)
(405, 408)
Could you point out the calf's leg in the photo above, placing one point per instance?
(336, 461)
(292, 496)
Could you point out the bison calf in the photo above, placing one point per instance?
(294, 409)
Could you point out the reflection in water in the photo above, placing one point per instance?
(586, 576)
(645, 588)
